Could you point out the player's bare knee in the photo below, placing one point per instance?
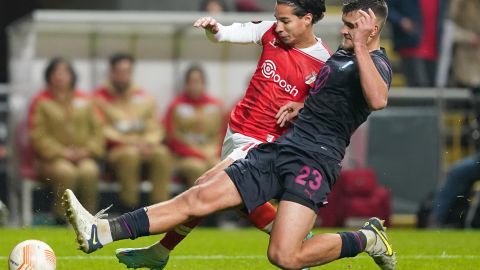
(196, 202)
(205, 177)
(282, 259)
(202, 179)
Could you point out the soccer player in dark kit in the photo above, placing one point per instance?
(299, 169)
(290, 60)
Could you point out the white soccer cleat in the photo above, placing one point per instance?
(378, 246)
(84, 224)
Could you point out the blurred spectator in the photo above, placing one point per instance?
(66, 137)
(194, 122)
(213, 6)
(466, 72)
(459, 182)
(416, 33)
(466, 55)
(133, 134)
(247, 6)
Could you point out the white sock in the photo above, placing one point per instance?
(104, 233)
(371, 238)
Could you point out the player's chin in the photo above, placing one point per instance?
(287, 41)
(347, 44)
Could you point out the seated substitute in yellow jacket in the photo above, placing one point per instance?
(195, 126)
(66, 137)
(133, 134)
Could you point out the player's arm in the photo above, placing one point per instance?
(375, 89)
(242, 33)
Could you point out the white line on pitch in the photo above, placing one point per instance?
(257, 257)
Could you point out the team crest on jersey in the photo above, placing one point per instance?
(310, 78)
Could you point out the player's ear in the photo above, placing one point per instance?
(308, 19)
(374, 31)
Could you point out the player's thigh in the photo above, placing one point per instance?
(208, 175)
(292, 223)
(184, 165)
(217, 194)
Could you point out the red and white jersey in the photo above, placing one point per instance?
(283, 74)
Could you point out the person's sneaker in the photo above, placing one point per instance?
(85, 225)
(140, 258)
(378, 246)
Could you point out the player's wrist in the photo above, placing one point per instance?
(360, 46)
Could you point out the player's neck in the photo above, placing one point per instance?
(307, 42)
(374, 45)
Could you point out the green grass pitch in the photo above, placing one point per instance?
(246, 249)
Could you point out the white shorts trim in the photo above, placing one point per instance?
(236, 145)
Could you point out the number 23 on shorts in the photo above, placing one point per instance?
(314, 183)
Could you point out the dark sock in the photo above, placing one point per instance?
(130, 225)
(353, 243)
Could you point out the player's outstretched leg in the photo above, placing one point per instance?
(158, 254)
(378, 246)
(93, 232)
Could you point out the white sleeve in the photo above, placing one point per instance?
(241, 32)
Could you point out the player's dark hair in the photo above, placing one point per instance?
(52, 66)
(192, 69)
(379, 7)
(303, 7)
(119, 57)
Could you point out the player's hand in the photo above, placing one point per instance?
(364, 27)
(207, 23)
(288, 112)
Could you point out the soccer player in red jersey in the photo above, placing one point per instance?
(291, 58)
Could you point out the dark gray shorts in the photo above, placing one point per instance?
(273, 171)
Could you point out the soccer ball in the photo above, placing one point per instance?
(32, 255)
